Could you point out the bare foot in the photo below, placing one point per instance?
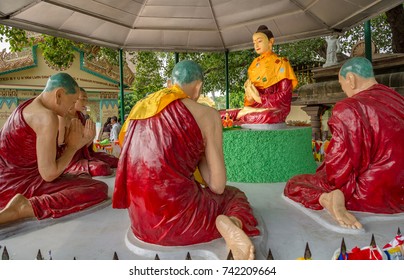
(236, 239)
(17, 208)
(334, 202)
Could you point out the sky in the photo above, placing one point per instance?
(4, 45)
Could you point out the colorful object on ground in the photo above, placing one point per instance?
(105, 142)
(371, 252)
(227, 122)
(394, 250)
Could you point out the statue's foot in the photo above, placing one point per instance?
(236, 239)
(17, 208)
(334, 202)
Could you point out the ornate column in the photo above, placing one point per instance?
(314, 112)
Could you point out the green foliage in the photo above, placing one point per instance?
(57, 51)
(148, 78)
(380, 34)
(110, 55)
(17, 38)
(302, 52)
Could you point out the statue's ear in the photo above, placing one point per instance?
(272, 41)
(351, 78)
(58, 95)
(198, 87)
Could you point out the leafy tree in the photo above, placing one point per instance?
(381, 35)
(148, 78)
(17, 38)
(57, 51)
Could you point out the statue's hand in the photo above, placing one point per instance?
(251, 92)
(74, 136)
(79, 135)
(89, 131)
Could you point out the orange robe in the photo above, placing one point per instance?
(275, 80)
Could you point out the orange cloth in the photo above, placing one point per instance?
(269, 69)
(151, 105)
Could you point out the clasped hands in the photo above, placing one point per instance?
(79, 135)
(251, 92)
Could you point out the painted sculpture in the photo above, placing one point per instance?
(168, 137)
(31, 180)
(363, 167)
(86, 161)
(268, 90)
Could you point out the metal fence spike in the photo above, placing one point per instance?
(39, 255)
(5, 255)
(230, 256)
(270, 256)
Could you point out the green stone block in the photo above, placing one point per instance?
(267, 156)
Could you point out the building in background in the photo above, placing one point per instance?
(23, 75)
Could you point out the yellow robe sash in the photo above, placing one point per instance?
(151, 105)
(268, 69)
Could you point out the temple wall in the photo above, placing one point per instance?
(24, 76)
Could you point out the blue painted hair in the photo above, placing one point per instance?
(186, 72)
(62, 80)
(359, 66)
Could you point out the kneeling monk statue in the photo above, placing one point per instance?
(363, 168)
(268, 90)
(31, 181)
(86, 161)
(166, 138)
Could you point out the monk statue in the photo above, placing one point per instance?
(31, 180)
(363, 168)
(169, 140)
(86, 161)
(268, 89)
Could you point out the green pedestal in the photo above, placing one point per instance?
(267, 156)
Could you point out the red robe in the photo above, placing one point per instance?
(19, 174)
(365, 157)
(87, 161)
(277, 97)
(155, 181)
(274, 78)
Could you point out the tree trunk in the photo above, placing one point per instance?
(395, 17)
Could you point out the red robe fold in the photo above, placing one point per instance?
(277, 98)
(19, 174)
(365, 157)
(155, 182)
(87, 161)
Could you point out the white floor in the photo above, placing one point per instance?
(97, 234)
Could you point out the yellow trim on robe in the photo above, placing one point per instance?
(198, 177)
(268, 69)
(151, 105)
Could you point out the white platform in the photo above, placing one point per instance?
(98, 233)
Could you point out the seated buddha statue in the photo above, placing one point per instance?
(268, 89)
